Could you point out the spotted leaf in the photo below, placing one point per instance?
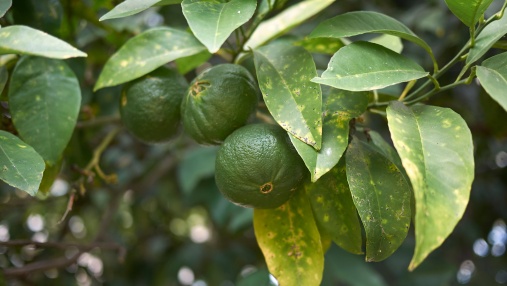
(284, 74)
(340, 107)
(334, 210)
(436, 150)
(382, 198)
(44, 100)
(290, 242)
(146, 52)
(20, 166)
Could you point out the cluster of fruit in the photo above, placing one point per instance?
(256, 166)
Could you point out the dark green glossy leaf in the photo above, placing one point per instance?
(189, 63)
(382, 198)
(326, 46)
(362, 22)
(4, 6)
(486, 39)
(367, 66)
(493, 77)
(290, 241)
(131, 7)
(20, 166)
(44, 100)
(213, 21)
(436, 149)
(284, 74)
(285, 21)
(468, 11)
(334, 209)
(4, 76)
(340, 107)
(146, 52)
(24, 40)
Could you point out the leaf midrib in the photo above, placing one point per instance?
(12, 164)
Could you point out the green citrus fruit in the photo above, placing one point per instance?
(150, 105)
(258, 167)
(218, 101)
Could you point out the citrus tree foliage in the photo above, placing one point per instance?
(355, 179)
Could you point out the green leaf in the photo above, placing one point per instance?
(197, 164)
(486, 39)
(189, 63)
(389, 41)
(436, 149)
(334, 209)
(340, 107)
(290, 242)
(363, 22)
(468, 11)
(367, 66)
(382, 198)
(24, 40)
(493, 77)
(146, 52)
(4, 76)
(4, 7)
(285, 21)
(213, 22)
(327, 46)
(131, 7)
(49, 177)
(21, 167)
(284, 74)
(44, 100)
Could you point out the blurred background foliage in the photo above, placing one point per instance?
(165, 222)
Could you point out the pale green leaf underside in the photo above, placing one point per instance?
(284, 21)
(493, 77)
(146, 52)
(389, 41)
(366, 66)
(487, 38)
(340, 107)
(382, 199)
(213, 22)
(20, 166)
(131, 7)
(44, 100)
(468, 11)
(290, 242)
(24, 40)
(4, 6)
(284, 74)
(436, 149)
(362, 22)
(334, 210)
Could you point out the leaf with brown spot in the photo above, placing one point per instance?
(382, 198)
(436, 149)
(290, 242)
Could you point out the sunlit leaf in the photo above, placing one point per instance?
(493, 76)
(326, 46)
(367, 66)
(340, 107)
(146, 52)
(468, 11)
(131, 7)
(24, 40)
(290, 242)
(213, 21)
(334, 209)
(382, 198)
(436, 149)
(20, 166)
(44, 100)
(284, 74)
(486, 39)
(4, 6)
(363, 22)
(285, 21)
